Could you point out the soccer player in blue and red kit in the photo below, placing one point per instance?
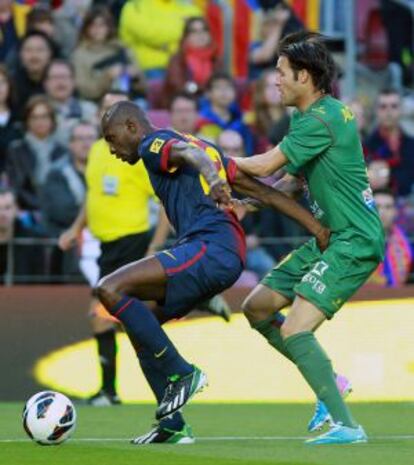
(191, 179)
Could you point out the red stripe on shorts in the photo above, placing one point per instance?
(188, 263)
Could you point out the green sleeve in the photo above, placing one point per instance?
(307, 138)
(289, 168)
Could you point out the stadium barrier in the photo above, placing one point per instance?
(47, 344)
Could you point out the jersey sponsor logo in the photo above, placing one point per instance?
(316, 284)
(156, 145)
(320, 268)
(368, 198)
(347, 114)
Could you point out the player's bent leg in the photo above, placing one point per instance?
(312, 361)
(261, 308)
(145, 279)
(261, 303)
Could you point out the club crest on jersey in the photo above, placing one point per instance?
(156, 145)
(368, 197)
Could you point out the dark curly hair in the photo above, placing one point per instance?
(308, 50)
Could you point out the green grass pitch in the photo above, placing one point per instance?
(227, 434)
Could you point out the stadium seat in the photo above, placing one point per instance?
(375, 45)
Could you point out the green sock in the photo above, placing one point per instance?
(316, 368)
(270, 329)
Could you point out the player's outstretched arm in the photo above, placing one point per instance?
(183, 153)
(282, 203)
(264, 164)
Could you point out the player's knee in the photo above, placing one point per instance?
(251, 310)
(107, 292)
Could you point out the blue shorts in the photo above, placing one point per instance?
(196, 271)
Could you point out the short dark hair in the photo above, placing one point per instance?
(308, 50)
(39, 14)
(389, 91)
(44, 36)
(384, 191)
(219, 76)
(183, 95)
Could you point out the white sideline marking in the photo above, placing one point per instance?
(224, 438)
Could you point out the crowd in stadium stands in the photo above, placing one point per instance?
(205, 67)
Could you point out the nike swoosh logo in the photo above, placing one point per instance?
(161, 353)
(167, 252)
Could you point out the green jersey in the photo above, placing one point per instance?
(323, 145)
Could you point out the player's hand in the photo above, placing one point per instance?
(221, 193)
(322, 238)
(68, 239)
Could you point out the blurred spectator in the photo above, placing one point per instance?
(68, 20)
(194, 63)
(257, 259)
(12, 26)
(60, 88)
(220, 111)
(398, 22)
(35, 53)
(184, 114)
(27, 261)
(231, 143)
(115, 6)
(63, 193)
(379, 174)
(152, 30)
(271, 119)
(275, 24)
(40, 18)
(390, 143)
(101, 63)
(395, 268)
(9, 129)
(29, 159)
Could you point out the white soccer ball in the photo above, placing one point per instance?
(49, 418)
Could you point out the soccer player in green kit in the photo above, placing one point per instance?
(323, 149)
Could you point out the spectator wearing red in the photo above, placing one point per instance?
(389, 142)
(195, 62)
(394, 270)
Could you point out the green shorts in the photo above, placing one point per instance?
(326, 279)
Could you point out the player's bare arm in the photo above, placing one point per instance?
(288, 184)
(264, 164)
(182, 152)
(283, 203)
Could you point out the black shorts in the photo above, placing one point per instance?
(120, 252)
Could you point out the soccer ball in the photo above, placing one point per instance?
(49, 418)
